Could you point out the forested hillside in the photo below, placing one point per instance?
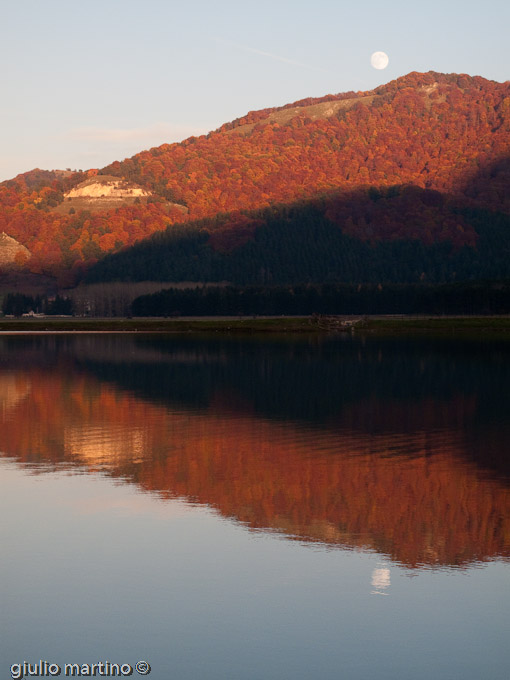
(448, 136)
(365, 237)
(431, 130)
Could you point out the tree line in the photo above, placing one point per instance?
(465, 298)
(17, 304)
(486, 297)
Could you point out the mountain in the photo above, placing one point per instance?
(424, 159)
(431, 130)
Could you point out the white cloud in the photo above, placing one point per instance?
(89, 146)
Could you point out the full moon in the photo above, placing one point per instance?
(379, 60)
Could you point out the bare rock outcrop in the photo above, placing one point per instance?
(11, 251)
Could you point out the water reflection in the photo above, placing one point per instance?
(381, 580)
(376, 446)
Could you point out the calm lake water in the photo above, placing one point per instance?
(256, 508)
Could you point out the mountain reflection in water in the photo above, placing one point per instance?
(397, 447)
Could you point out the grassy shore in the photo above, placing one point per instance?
(159, 325)
(472, 325)
(484, 325)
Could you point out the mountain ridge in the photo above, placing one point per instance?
(443, 133)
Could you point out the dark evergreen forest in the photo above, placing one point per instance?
(461, 298)
(309, 243)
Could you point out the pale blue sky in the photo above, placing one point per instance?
(87, 83)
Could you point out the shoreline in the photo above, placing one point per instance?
(376, 324)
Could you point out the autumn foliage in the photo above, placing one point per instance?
(446, 134)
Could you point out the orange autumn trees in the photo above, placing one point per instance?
(445, 133)
(430, 130)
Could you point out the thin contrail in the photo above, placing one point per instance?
(270, 55)
(285, 60)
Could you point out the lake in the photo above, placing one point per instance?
(255, 507)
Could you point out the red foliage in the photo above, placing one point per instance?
(445, 133)
(238, 231)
